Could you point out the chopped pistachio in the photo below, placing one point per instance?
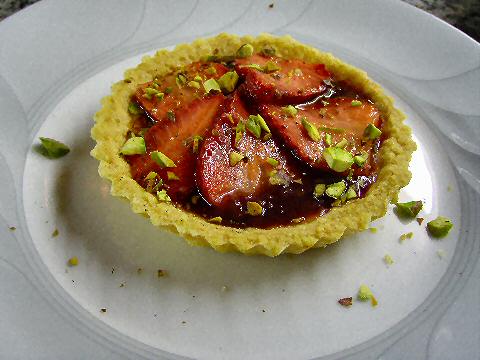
(278, 178)
(244, 51)
(253, 66)
(319, 190)
(151, 175)
(52, 148)
(270, 67)
(134, 146)
(55, 233)
(290, 110)
(163, 196)
(134, 109)
(272, 161)
(356, 103)
(328, 139)
(228, 81)
(260, 121)
(439, 227)
(216, 220)
(336, 190)
(161, 159)
(171, 115)
(193, 84)
(268, 50)
(388, 259)
(254, 208)
(150, 92)
(406, 236)
(311, 129)
(196, 143)
(253, 126)
(211, 85)
(73, 261)
(372, 132)
(181, 80)
(168, 90)
(409, 209)
(373, 301)
(172, 176)
(211, 70)
(235, 158)
(373, 230)
(198, 78)
(364, 293)
(159, 96)
(351, 194)
(342, 143)
(360, 159)
(338, 159)
(239, 130)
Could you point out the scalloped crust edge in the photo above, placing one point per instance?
(112, 123)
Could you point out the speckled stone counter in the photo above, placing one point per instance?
(463, 14)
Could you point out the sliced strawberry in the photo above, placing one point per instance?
(339, 118)
(222, 184)
(294, 82)
(176, 96)
(173, 138)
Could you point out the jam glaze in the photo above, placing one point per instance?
(290, 203)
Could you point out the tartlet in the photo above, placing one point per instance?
(115, 124)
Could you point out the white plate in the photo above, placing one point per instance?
(57, 59)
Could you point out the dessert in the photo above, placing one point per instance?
(257, 144)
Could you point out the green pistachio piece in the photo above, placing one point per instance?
(273, 162)
(311, 129)
(198, 78)
(211, 70)
(196, 143)
(159, 96)
(351, 194)
(245, 51)
(181, 80)
(52, 148)
(364, 293)
(134, 109)
(216, 220)
(235, 158)
(319, 190)
(172, 176)
(388, 259)
(254, 208)
(278, 178)
(336, 190)
(356, 103)
(253, 126)
(361, 159)
(372, 132)
(168, 90)
(439, 227)
(290, 110)
(342, 143)
(193, 84)
(228, 81)
(260, 121)
(211, 85)
(328, 139)
(338, 159)
(150, 91)
(409, 209)
(270, 67)
(162, 160)
(151, 175)
(253, 66)
(163, 196)
(239, 130)
(133, 146)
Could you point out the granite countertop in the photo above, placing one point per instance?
(463, 14)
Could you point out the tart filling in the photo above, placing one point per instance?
(261, 145)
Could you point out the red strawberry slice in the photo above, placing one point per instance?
(174, 140)
(176, 96)
(339, 118)
(222, 184)
(294, 82)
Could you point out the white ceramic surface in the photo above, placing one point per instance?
(58, 59)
